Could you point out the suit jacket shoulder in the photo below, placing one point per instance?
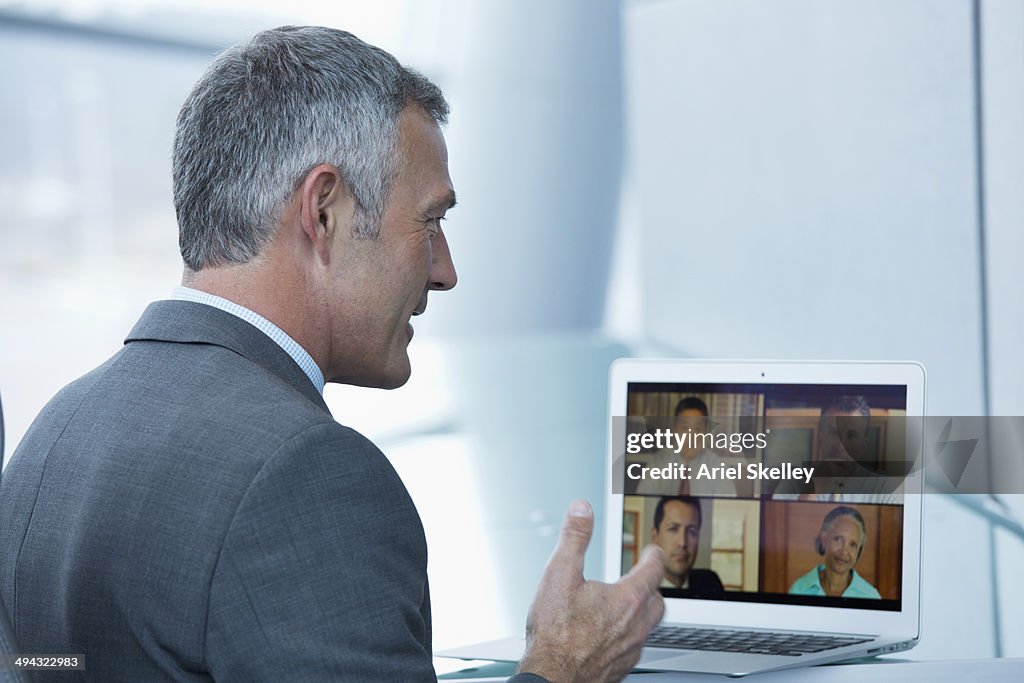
(196, 504)
(705, 582)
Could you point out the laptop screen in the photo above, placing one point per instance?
(768, 493)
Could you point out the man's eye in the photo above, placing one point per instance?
(434, 225)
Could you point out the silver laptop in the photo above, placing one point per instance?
(786, 497)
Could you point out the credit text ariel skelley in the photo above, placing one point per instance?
(755, 471)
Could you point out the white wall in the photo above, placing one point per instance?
(807, 187)
(1002, 72)
(1002, 62)
(807, 182)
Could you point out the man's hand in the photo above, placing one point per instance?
(587, 631)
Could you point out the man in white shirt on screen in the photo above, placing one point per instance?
(691, 417)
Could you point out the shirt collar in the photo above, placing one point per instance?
(279, 336)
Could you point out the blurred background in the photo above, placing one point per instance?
(832, 179)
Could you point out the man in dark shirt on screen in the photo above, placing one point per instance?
(677, 522)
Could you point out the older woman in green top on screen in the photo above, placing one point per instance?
(841, 542)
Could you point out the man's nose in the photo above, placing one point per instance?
(442, 269)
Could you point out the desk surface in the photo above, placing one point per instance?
(987, 670)
(974, 670)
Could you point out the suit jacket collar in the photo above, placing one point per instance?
(188, 322)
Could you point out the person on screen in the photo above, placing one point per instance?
(691, 416)
(840, 542)
(844, 473)
(677, 521)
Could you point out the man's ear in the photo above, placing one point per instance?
(327, 208)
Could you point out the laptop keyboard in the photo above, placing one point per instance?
(749, 642)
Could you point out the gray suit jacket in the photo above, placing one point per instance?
(190, 511)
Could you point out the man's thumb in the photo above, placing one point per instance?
(574, 539)
(650, 569)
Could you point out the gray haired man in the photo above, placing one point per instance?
(190, 511)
